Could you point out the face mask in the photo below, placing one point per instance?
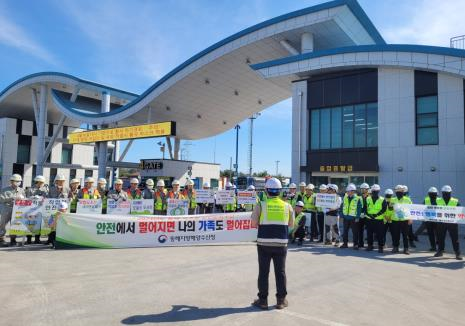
(446, 195)
(433, 195)
(399, 194)
(16, 183)
(388, 196)
(150, 187)
(374, 193)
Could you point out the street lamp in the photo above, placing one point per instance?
(237, 127)
(162, 148)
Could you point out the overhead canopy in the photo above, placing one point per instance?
(212, 91)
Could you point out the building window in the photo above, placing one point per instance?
(24, 149)
(72, 174)
(18, 169)
(88, 173)
(50, 130)
(53, 174)
(34, 128)
(427, 120)
(66, 154)
(65, 131)
(19, 126)
(49, 157)
(351, 126)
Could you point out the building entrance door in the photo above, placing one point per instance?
(340, 182)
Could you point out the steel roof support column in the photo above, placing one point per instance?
(103, 146)
(177, 143)
(41, 124)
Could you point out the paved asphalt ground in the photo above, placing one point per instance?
(215, 286)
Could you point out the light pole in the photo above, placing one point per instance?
(277, 166)
(236, 166)
(251, 119)
(162, 148)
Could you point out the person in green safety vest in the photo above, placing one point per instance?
(190, 193)
(452, 228)
(388, 194)
(376, 207)
(399, 224)
(301, 193)
(411, 235)
(161, 196)
(431, 199)
(291, 196)
(310, 212)
(364, 188)
(232, 206)
(250, 207)
(73, 194)
(351, 210)
(103, 191)
(321, 215)
(298, 231)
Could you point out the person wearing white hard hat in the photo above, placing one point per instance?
(62, 209)
(73, 194)
(149, 192)
(88, 191)
(388, 194)
(207, 208)
(231, 207)
(250, 207)
(364, 194)
(161, 196)
(133, 191)
(117, 193)
(175, 193)
(332, 217)
(376, 207)
(291, 196)
(273, 217)
(8, 196)
(351, 210)
(298, 232)
(59, 189)
(399, 224)
(103, 191)
(301, 192)
(190, 193)
(431, 199)
(452, 228)
(310, 212)
(38, 191)
(320, 215)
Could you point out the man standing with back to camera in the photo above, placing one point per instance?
(273, 217)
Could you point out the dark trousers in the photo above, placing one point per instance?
(411, 235)
(361, 232)
(350, 224)
(265, 255)
(431, 229)
(375, 227)
(321, 225)
(398, 228)
(313, 226)
(453, 229)
(299, 233)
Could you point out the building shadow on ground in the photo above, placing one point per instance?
(182, 313)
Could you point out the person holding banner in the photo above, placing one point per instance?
(37, 191)
(103, 191)
(8, 196)
(321, 215)
(452, 228)
(63, 207)
(189, 193)
(376, 207)
(274, 217)
(59, 190)
(88, 192)
(332, 218)
(389, 212)
(429, 200)
(117, 193)
(73, 194)
(299, 224)
(232, 206)
(206, 208)
(399, 224)
(174, 193)
(364, 188)
(310, 211)
(160, 198)
(134, 192)
(250, 207)
(351, 210)
(148, 192)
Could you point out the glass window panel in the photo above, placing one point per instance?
(24, 149)
(357, 180)
(325, 133)
(336, 128)
(427, 104)
(315, 129)
(427, 120)
(348, 127)
(427, 136)
(360, 126)
(372, 125)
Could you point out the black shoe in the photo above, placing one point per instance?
(344, 245)
(458, 256)
(438, 254)
(29, 241)
(320, 240)
(406, 252)
(395, 250)
(380, 250)
(282, 303)
(355, 247)
(261, 303)
(369, 248)
(412, 244)
(13, 243)
(432, 249)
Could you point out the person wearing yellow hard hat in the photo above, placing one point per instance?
(8, 196)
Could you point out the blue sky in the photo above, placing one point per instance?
(131, 44)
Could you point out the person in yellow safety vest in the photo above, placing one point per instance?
(189, 193)
(160, 198)
(206, 208)
(389, 212)
(351, 210)
(38, 191)
(233, 206)
(298, 231)
(62, 208)
(88, 192)
(59, 189)
(134, 192)
(73, 194)
(291, 196)
(310, 212)
(274, 218)
(8, 196)
(332, 217)
(399, 224)
(431, 227)
(362, 224)
(301, 193)
(250, 207)
(117, 193)
(148, 192)
(175, 193)
(103, 191)
(321, 215)
(411, 236)
(452, 228)
(376, 207)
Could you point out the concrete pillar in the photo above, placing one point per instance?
(306, 42)
(299, 130)
(177, 144)
(115, 159)
(41, 129)
(102, 147)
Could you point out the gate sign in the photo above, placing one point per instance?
(89, 206)
(224, 197)
(118, 207)
(49, 209)
(205, 196)
(142, 206)
(246, 198)
(177, 206)
(326, 200)
(26, 217)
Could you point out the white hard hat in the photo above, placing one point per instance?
(302, 184)
(74, 181)
(292, 186)
(89, 179)
(39, 178)
(399, 188)
(175, 183)
(273, 183)
(134, 180)
(60, 177)
(364, 186)
(310, 186)
(433, 190)
(446, 188)
(161, 183)
(102, 180)
(149, 182)
(63, 205)
(323, 187)
(405, 188)
(375, 187)
(118, 182)
(206, 184)
(16, 177)
(300, 203)
(351, 187)
(251, 187)
(229, 184)
(189, 182)
(333, 187)
(389, 192)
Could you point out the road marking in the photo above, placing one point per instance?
(310, 318)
